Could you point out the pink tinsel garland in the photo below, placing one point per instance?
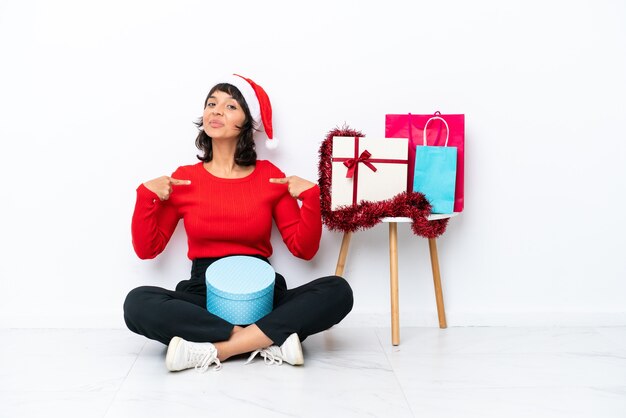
(366, 214)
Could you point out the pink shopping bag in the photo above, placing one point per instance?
(412, 126)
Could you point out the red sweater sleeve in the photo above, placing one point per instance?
(300, 227)
(153, 223)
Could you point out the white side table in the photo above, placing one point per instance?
(393, 270)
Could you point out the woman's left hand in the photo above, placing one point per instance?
(295, 185)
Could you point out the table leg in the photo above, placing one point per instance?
(343, 253)
(393, 273)
(434, 262)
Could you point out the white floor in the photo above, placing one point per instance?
(348, 372)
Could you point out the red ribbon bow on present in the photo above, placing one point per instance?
(352, 163)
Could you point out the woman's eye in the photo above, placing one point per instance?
(232, 107)
(210, 105)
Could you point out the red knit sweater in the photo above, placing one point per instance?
(228, 216)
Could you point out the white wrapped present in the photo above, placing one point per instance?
(370, 169)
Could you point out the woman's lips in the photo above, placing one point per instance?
(215, 124)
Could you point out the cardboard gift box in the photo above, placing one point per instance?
(240, 289)
(371, 169)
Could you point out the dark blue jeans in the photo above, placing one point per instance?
(161, 314)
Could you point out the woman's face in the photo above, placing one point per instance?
(222, 116)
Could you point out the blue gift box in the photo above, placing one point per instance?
(240, 289)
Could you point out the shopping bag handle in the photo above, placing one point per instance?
(444, 122)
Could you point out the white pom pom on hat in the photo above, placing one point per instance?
(258, 103)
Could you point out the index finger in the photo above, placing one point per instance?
(283, 180)
(178, 182)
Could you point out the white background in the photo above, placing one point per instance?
(97, 97)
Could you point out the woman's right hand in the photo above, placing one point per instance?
(162, 186)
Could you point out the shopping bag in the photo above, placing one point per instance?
(412, 126)
(435, 172)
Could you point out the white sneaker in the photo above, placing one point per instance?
(290, 352)
(183, 355)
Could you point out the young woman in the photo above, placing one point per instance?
(227, 203)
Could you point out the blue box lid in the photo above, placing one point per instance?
(240, 278)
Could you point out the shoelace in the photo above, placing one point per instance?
(203, 358)
(271, 355)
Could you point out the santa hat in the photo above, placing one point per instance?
(259, 104)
